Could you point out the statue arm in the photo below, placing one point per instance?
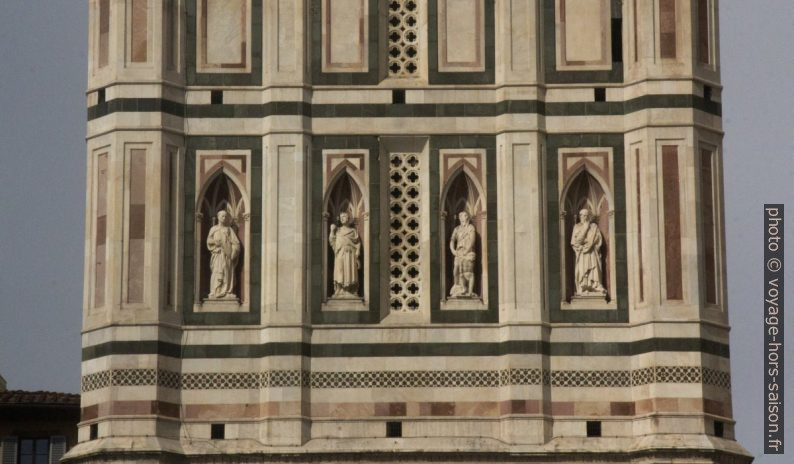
(211, 245)
(235, 245)
(453, 241)
(576, 247)
(332, 238)
(592, 239)
(355, 241)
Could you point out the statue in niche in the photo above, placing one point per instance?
(224, 246)
(586, 241)
(462, 246)
(346, 245)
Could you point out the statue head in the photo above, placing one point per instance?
(344, 218)
(223, 218)
(585, 216)
(463, 217)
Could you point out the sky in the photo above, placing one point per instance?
(42, 189)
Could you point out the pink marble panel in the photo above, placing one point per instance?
(100, 237)
(136, 221)
(139, 31)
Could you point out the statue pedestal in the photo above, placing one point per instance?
(220, 305)
(463, 303)
(344, 304)
(585, 302)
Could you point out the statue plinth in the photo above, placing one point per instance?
(589, 301)
(344, 303)
(470, 302)
(227, 304)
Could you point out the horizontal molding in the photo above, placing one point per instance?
(367, 350)
(385, 110)
(405, 379)
(697, 452)
(406, 409)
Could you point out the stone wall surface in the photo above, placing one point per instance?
(342, 308)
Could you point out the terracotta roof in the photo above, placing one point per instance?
(20, 397)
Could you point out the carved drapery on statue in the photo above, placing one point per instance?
(224, 246)
(586, 241)
(462, 245)
(345, 243)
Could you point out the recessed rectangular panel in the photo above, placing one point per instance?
(224, 34)
(139, 17)
(171, 39)
(461, 32)
(707, 210)
(638, 175)
(672, 222)
(583, 34)
(704, 32)
(344, 27)
(100, 228)
(583, 31)
(171, 173)
(667, 29)
(522, 40)
(104, 33)
(287, 38)
(136, 224)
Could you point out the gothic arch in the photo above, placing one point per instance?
(345, 194)
(221, 192)
(586, 189)
(462, 191)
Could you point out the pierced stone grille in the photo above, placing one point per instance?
(403, 38)
(404, 235)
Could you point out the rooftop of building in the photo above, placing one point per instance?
(21, 397)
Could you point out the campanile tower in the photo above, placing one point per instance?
(405, 231)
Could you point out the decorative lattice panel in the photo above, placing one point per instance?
(404, 235)
(403, 38)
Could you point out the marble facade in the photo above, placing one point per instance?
(286, 114)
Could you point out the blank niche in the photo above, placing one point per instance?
(463, 193)
(344, 196)
(222, 194)
(586, 192)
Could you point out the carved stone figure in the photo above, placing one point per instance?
(586, 241)
(346, 245)
(462, 246)
(224, 245)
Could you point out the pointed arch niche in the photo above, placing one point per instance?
(345, 191)
(224, 183)
(463, 190)
(586, 182)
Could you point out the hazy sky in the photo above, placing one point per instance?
(42, 183)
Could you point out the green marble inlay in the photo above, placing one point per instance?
(372, 314)
(615, 75)
(223, 79)
(554, 291)
(364, 350)
(491, 314)
(461, 78)
(253, 316)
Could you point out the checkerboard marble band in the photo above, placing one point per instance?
(403, 379)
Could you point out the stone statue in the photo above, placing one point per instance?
(462, 246)
(346, 245)
(224, 245)
(586, 241)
